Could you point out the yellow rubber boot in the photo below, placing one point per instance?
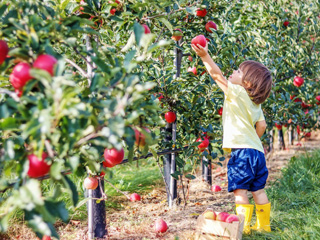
(263, 217)
(246, 210)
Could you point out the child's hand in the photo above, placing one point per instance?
(200, 51)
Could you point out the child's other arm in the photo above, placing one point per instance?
(212, 68)
(261, 128)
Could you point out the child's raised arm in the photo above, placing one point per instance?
(212, 68)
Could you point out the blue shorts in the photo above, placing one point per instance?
(247, 170)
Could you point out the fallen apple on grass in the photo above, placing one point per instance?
(134, 197)
(215, 188)
(160, 226)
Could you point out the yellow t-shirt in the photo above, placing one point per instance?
(239, 117)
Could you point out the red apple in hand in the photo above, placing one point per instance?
(200, 39)
(4, 49)
(170, 117)
(20, 75)
(204, 143)
(232, 218)
(201, 12)
(134, 197)
(160, 226)
(146, 29)
(90, 183)
(45, 62)
(112, 157)
(286, 23)
(192, 70)
(37, 167)
(298, 81)
(209, 25)
(177, 34)
(222, 216)
(215, 188)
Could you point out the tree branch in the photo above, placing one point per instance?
(11, 94)
(83, 73)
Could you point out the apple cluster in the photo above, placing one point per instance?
(220, 216)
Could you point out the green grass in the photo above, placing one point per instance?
(295, 201)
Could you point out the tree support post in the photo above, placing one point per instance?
(96, 213)
(206, 170)
(281, 140)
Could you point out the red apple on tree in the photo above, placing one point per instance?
(177, 34)
(37, 167)
(146, 29)
(113, 11)
(191, 59)
(298, 81)
(45, 62)
(209, 25)
(204, 143)
(192, 70)
(140, 137)
(20, 75)
(90, 183)
(220, 111)
(160, 226)
(286, 23)
(112, 157)
(170, 117)
(4, 49)
(200, 39)
(201, 12)
(278, 126)
(134, 197)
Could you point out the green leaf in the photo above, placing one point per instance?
(72, 187)
(57, 209)
(138, 32)
(190, 176)
(167, 23)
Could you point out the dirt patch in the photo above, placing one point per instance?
(136, 220)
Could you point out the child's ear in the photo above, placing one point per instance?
(247, 84)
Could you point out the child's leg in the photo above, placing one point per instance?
(243, 207)
(263, 208)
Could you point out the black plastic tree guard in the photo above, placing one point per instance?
(206, 170)
(96, 213)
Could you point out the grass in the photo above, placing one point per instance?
(295, 201)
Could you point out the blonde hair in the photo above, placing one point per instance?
(257, 80)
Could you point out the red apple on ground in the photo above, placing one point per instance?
(112, 157)
(146, 28)
(278, 126)
(90, 183)
(160, 226)
(20, 75)
(177, 34)
(200, 39)
(4, 49)
(192, 70)
(134, 197)
(38, 168)
(140, 137)
(215, 188)
(232, 218)
(298, 81)
(286, 23)
(45, 62)
(210, 214)
(201, 12)
(170, 117)
(209, 25)
(222, 216)
(204, 143)
(220, 111)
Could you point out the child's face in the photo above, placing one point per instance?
(236, 77)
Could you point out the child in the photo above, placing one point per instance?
(243, 126)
